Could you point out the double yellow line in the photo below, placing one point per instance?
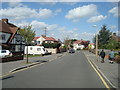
(104, 82)
(2, 76)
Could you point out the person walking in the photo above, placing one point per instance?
(102, 55)
(111, 56)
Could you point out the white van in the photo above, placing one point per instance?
(35, 50)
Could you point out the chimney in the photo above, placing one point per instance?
(5, 20)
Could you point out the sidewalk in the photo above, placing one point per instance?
(8, 66)
(109, 71)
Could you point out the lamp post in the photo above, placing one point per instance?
(96, 41)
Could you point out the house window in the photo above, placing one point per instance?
(3, 37)
(38, 49)
(30, 48)
(46, 42)
(38, 42)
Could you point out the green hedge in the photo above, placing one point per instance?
(51, 45)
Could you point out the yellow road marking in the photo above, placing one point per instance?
(2, 76)
(106, 85)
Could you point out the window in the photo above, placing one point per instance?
(3, 51)
(3, 37)
(38, 49)
(44, 49)
(38, 42)
(30, 48)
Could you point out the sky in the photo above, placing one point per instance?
(74, 20)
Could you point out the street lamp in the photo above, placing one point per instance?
(96, 40)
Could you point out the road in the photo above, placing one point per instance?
(69, 71)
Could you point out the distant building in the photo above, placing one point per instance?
(10, 39)
(43, 39)
(91, 46)
(80, 44)
(115, 38)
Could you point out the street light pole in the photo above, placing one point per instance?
(96, 42)
(96, 45)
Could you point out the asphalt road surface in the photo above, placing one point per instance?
(69, 71)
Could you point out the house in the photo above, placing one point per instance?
(11, 40)
(91, 46)
(115, 38)
(46, 40)
(43, 39)
(80, 44)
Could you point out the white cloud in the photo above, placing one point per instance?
(45, 13)
(15, 4)
(114, 11)
(58, 11)
(80, 12)
(21, 13)
(18, 13)
(69, 3)
(96, 18)
(118, 32)
(41, 25)
(48, 3)
(86, 36)
(113, 26)
(56, 31)
(112, 0)
(60, 0)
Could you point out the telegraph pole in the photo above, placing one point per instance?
(45, 31)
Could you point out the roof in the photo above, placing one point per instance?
(49, 39)
(4, 27)
(116, 38)
(92, 43)
(81, 42)
(13, 30)
(35, 38)
(78, 42)
(46, 38)
(8, 28)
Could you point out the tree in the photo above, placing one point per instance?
(73, 40)
(28, 34)
(103, 36)
(51, 45)
(67, 41)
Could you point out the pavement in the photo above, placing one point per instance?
(107, 70)
(11, 66)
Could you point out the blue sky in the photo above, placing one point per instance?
(73, 20)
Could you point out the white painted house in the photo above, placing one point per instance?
(40, 40)
(91, 46)
(78, 45)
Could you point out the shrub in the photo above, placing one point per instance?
(51, 45)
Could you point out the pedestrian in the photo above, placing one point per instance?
(102, 55)
(111, 56)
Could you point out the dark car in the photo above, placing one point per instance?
(71, 50)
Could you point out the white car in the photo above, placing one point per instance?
(4, 53)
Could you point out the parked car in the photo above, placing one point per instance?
(4, 53)
(71, 50)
